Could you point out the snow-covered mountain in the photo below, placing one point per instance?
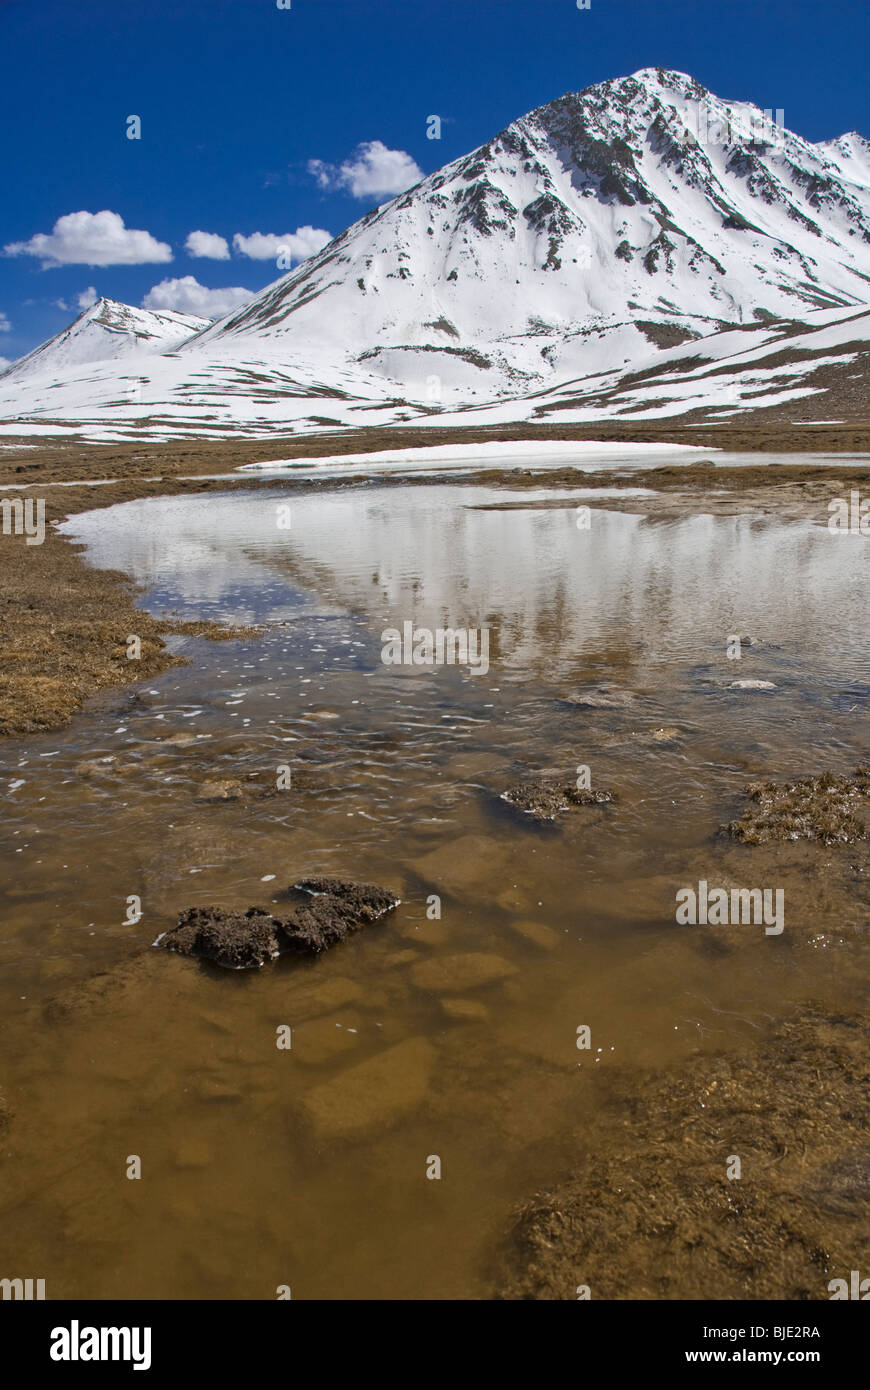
(800, 371)
(645, 199)
(586, 242)
(104, 332)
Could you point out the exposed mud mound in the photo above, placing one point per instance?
(828, 809)
(545, 800)
(366, 900)
(325, 912)
(237, 940)
(334, 910)
(651, 1212)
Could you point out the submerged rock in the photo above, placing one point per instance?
(604, 696)
(227, 789)
(752, 685)
(544, 800)
(95, 767)
(466, 866)
(454, 974)
(464, 1010)
(668, 733)
(321, 1040)
(330, 992)
(182, 740)
(367, 1097)
(244, 940)
(826, 808)
(396, 959)
(538, 934)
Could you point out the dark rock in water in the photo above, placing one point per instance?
(326, 910)
(365, 899)
(544, 800)
(580, 797)
(238, 940)
(541, 800)
(826, 808)
(335, 908)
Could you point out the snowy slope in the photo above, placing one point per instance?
(106, 331)
(540, 252)
(608, 235)
(817, 368)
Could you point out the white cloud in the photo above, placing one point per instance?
(61, 304)
(187, 296)
(372, 171)
(92, 238)
(208, 244)
(87, 298)
(4, 363)
(5, 325)
(296, 246)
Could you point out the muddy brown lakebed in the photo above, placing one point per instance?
(420, 1036)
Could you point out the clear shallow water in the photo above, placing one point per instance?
(263, 1167)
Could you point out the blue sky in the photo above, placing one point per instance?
(294, 122)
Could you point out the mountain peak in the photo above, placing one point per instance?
(664, 77)
(639, 213)
(688, 213)
(108, 329)
(852, 140)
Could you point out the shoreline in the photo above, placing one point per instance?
(28, 458)
(66, 624)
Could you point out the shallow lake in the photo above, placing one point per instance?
(307, 1167)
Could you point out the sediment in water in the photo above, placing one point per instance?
(543, 800)
(651, 1212)
(829, 809)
